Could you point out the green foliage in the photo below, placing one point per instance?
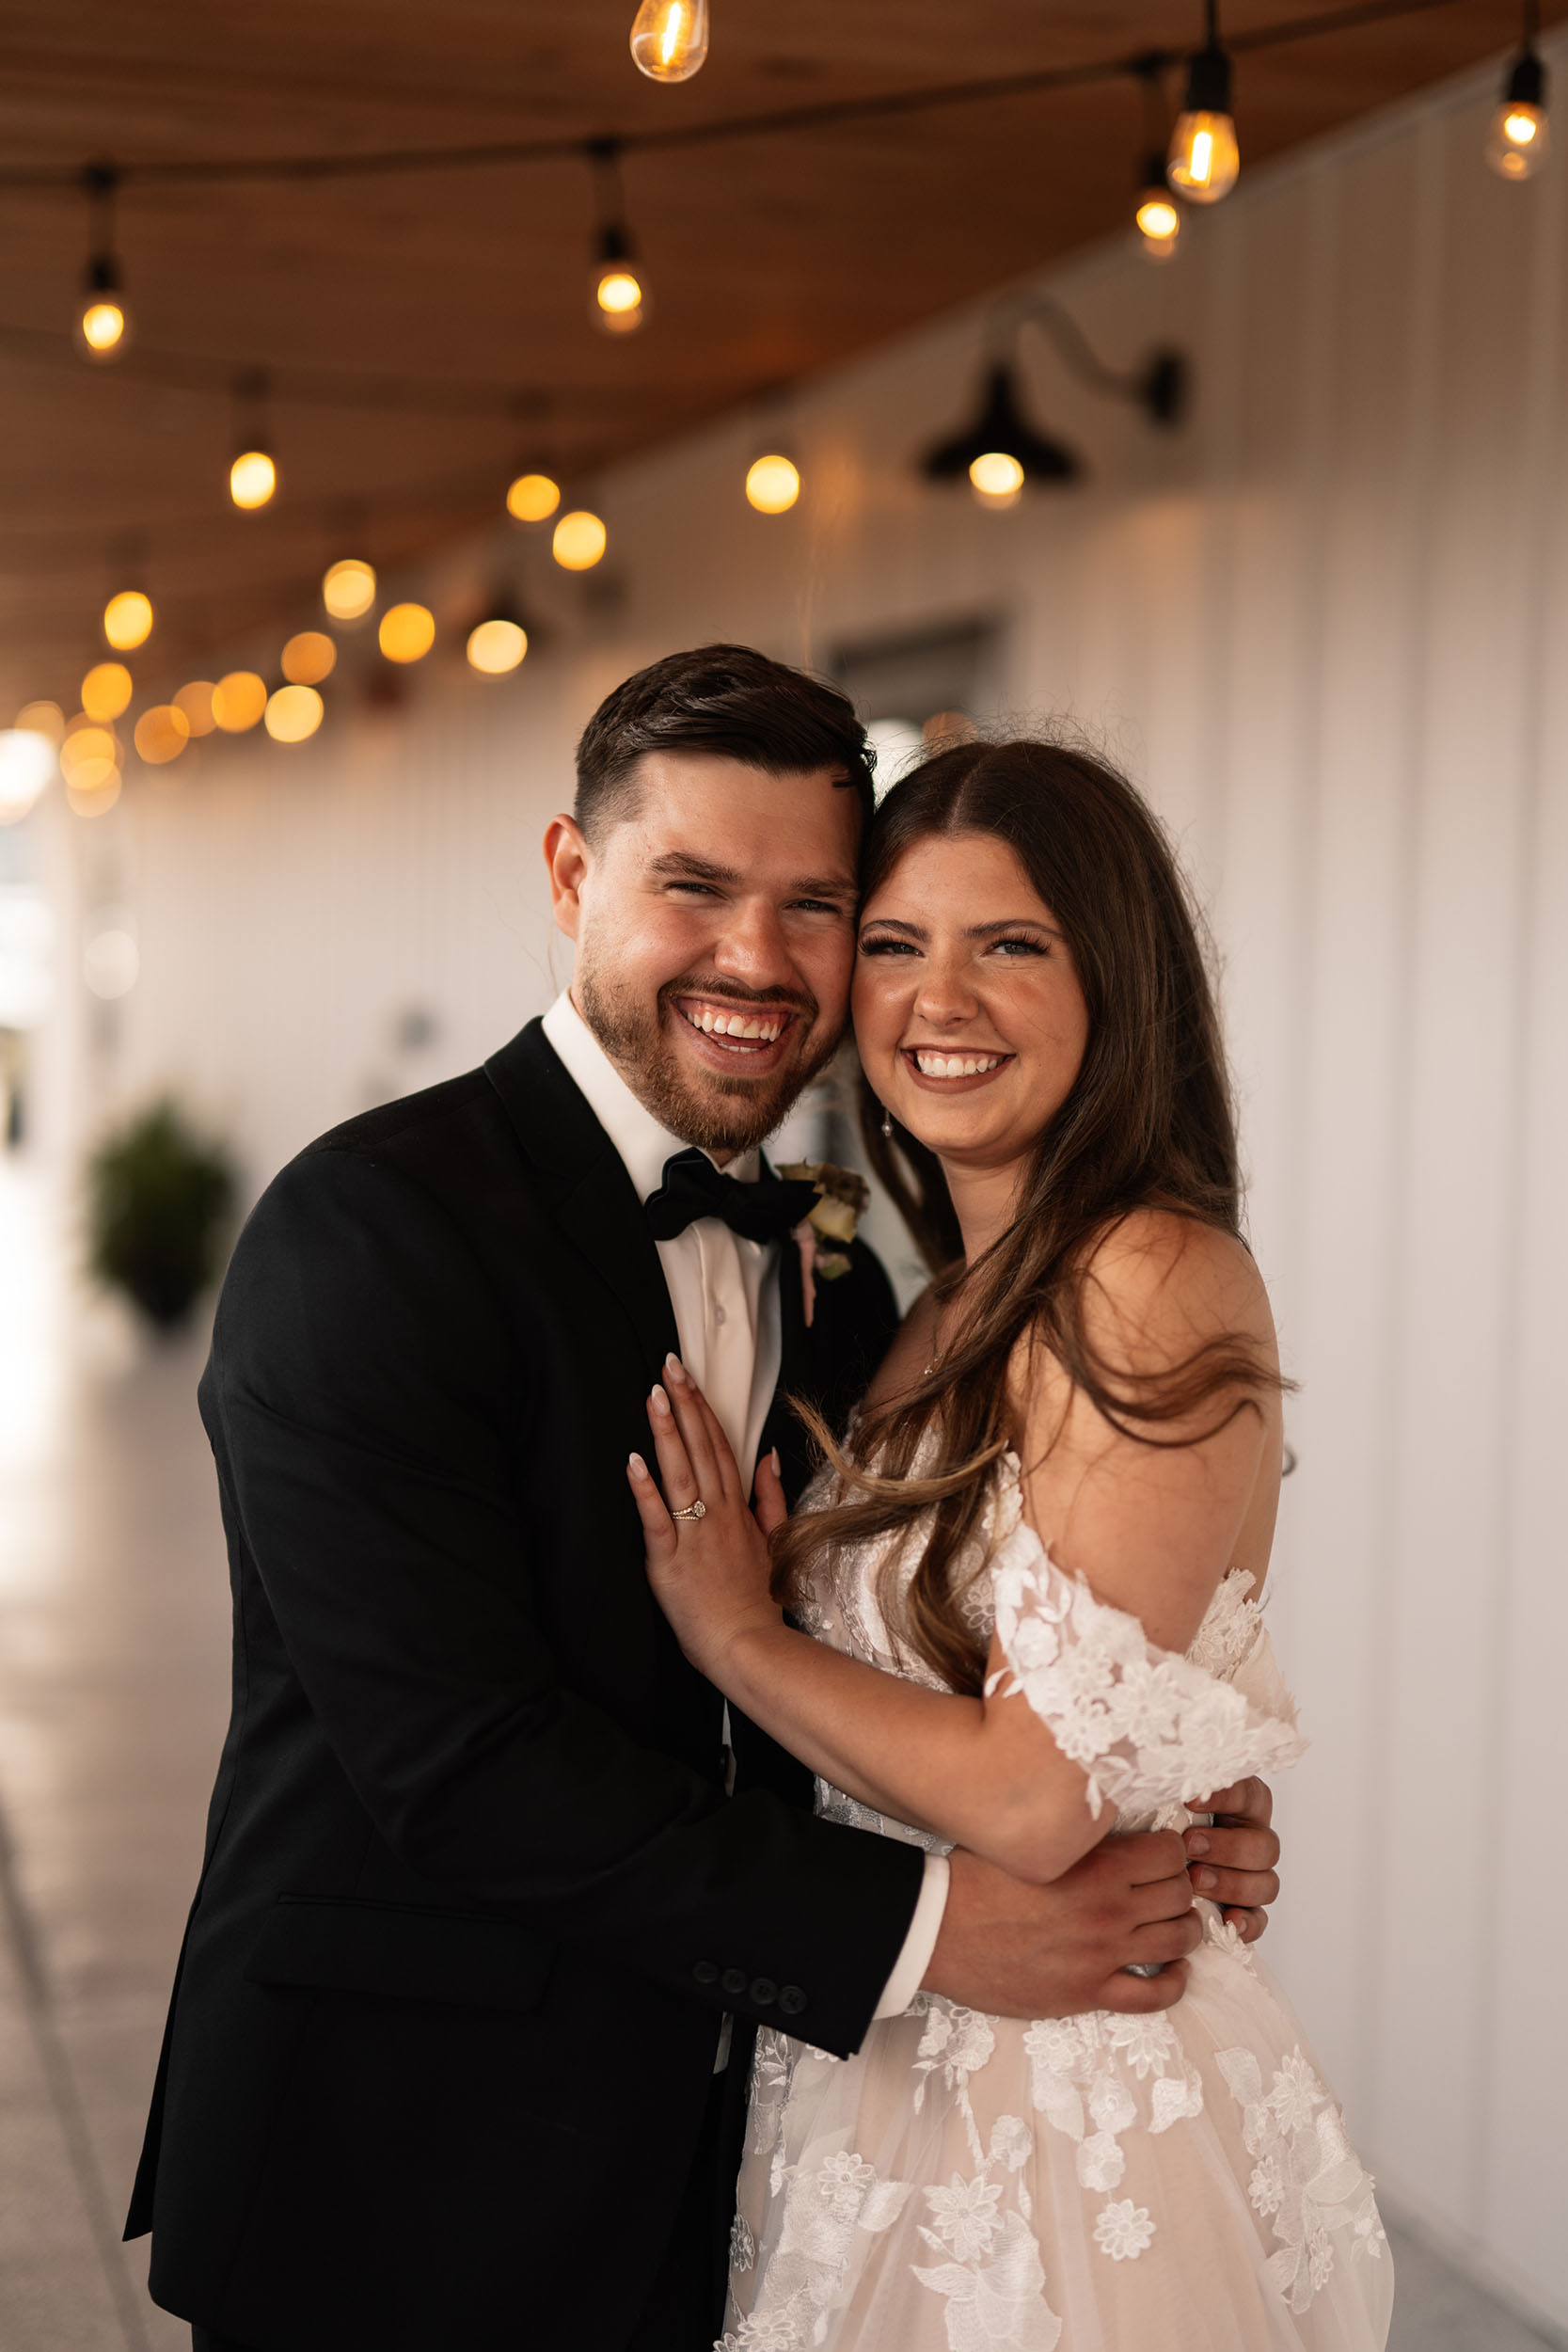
(159, 1200)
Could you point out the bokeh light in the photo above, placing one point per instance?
(26, 765)
(620, 304)
(407, 634)
(111, 961)
(160, 734)
(292, 713)
(997, 479)
(496, 646)
(533, 497)
(578, 541)
(238, 701)
(128, 620)
(95, 799)
(252, 479)
(89, 754)
(102, 328)
(106, 690)
(196, 702)
(772, 485)
(42, 718)
(308, 658)
(348, 589)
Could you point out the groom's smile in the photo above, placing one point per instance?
(714, 921)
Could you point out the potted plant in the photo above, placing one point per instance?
(159, 1200)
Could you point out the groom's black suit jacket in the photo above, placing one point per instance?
(473, 1897)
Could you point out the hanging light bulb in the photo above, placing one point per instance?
(104, 327)
(669, 39)
(1159, 221)
(1519, 141)
(348, 589)
(253, 475)
(617, 287)
(772, 483)
(578, 540)
(1204, 158)
(533, 497)
(128, 620)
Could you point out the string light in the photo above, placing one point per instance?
(104, 327)
(617, 289)
(195, 705)
(1204, 158)
(106, 690)
(533, 497)
(348, 589)
(407, 634)
(496, 646)
(1156, 213)
(239, 699)
(253, 475)
(1520, 139)
(772, 485)
(578, 541)
(669, 39)
(128, 620)
(89, 762)
(294, 713)
(160, 734)
(308, 658)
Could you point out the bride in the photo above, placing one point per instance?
(1021, 1600)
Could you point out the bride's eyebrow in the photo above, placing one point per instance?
(974, 930)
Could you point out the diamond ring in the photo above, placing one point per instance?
(693, 1511)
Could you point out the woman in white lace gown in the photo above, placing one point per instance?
(1024, 1595)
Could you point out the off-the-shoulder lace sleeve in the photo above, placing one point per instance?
(1149, 1728)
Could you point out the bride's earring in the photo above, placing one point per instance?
(887, 1123)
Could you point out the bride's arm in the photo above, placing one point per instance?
(1152, 1530)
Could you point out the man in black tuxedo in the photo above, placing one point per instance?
(494, 1893)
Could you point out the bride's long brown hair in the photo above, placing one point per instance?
(1147, 1123)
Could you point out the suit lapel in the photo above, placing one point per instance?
(586, 1185)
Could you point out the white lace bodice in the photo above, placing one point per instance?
(1153, 1730)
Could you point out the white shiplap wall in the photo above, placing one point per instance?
(1324, 625)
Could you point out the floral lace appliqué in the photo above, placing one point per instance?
(1307, 2180)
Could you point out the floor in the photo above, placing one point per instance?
(113, 1698)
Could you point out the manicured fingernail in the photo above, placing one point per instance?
(676, 1370)
(657, 1399)
(1196, 1842)
(778, 1469)
(637, 1466)
(1204, 1880)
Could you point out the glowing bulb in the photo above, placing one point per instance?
(103, 326)
(1520, 137)
(533, 497)
(620, 298)
(1159, 223)
(772, 485)
(89, 758)
(348, 589)
(26, 764)
(238, 701)
(407, 634)
(997, 480)
(669, 39)
(1204, 158)
(578, 541)
(106, 690)
(252, 479)
(128, 620)
(160, 734)
(308, 658)
(292, 713)
(496, 646)
(195, 704)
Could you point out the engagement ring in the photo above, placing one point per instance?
(693, 1511)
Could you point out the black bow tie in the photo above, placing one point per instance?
(694, 1188)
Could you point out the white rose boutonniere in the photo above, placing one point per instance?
(822, 1238)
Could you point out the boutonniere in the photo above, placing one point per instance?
(823, 1234)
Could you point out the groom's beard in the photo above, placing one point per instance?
(714, 1111)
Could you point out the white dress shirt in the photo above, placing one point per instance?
(726, 1302)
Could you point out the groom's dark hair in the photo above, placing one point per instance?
(728, 700)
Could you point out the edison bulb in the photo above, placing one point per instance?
(996, 480)
(669, 39)
(348, 589)
(294, 713)
(496, 646)
(252, 479)
(1520, 140)
(619, 299)
(578, 541)
(128, 620)
(103, 326)
(533, 497)
(772, 485)
(106, 690)
(1204, 158)
(1159, 223)
(408, 632)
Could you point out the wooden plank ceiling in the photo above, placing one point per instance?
(377, 299)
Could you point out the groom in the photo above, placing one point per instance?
(494, 1893)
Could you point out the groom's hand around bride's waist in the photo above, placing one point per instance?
(1017, 1950)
